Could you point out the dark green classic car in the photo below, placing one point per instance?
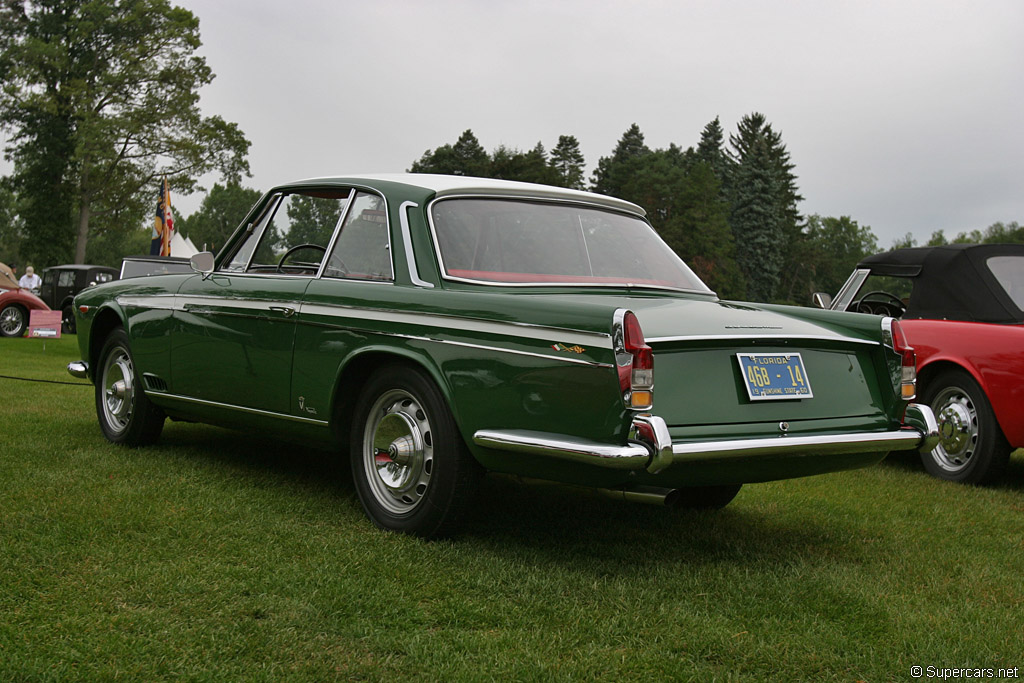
(439, 327)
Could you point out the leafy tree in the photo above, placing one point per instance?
(568, 162)
(834, 247)
(221, 212)
(530, 167)
(10, 229)
(311, 219)
(1012, 233)
(466, 157)
(908, 240)
(101, 98)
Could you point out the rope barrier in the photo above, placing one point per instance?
(46, 381)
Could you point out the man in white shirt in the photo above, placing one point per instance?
(30, 280)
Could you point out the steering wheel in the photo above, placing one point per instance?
(890, 304)
(297, 247)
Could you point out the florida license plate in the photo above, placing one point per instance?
(770, 376)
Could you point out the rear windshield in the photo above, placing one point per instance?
(508, 241)
(1009, 271)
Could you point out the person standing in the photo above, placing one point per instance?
(30, 280)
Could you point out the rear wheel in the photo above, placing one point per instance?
(411, 469)
(126, 416)
(972, 448)
(67, 321)
(707, 497)
(13, 321)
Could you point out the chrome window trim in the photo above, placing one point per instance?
(549, 200)
(410, 258)
(852, 285)
(230, 406)
(337, 231)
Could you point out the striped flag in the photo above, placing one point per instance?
(163, 223)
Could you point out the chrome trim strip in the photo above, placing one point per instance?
(243, 409)
(512, 329)
(157, 301)
(410, 258)
(731, 337)
(629, 457)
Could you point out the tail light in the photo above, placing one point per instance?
(908, 359)
(635, 362)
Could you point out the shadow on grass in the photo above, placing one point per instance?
(546, 524)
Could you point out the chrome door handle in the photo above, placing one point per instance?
(283, 310)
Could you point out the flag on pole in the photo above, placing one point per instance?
(163, 224)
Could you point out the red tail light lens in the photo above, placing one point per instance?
(635, 361)
(908, 361)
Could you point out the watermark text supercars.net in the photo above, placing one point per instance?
(964, 673)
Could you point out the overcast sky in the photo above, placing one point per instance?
(906, 116)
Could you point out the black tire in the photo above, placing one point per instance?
(411, 469)
(972, 448)
(13, 321)
(126, 416)
(67, 322)
(706, 497)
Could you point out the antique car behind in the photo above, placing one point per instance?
(16, 305)
(962, 309)
(62, 283)
(438, 327)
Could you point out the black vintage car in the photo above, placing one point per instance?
(61, 283)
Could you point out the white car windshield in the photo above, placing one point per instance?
(511, 241)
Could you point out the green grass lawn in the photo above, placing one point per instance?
(216, 555)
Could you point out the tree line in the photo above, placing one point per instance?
(100, 101)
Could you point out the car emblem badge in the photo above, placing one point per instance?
(569, 349)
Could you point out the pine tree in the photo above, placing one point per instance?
(568, 162)
(613, 172)
(765, 221)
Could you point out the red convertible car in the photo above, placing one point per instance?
(962, 309)
(15, 305)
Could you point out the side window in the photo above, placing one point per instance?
(363, 248)
(293, 233)
(66, 279)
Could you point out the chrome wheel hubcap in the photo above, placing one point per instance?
(118, 389)
(11, 321)
(958, 430)
(398, 452)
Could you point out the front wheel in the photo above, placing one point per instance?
(411, 468)
(126, 416)
(13, 321)
(972, 448)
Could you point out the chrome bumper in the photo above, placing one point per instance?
(79, 369)
(654, 450)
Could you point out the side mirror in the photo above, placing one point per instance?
(822, 300)
(202, 263)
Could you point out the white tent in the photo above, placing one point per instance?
(182, 246)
